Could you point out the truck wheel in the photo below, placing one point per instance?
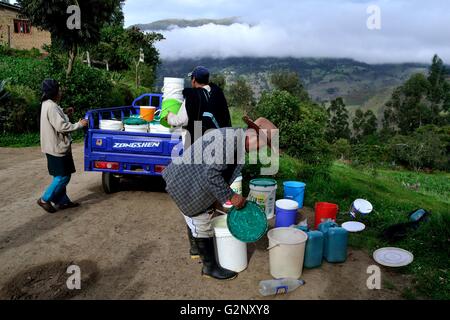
(111, 184)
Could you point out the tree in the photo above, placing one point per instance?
(289, 81)
(364, 124)
(408, 108)
(219, 80)
(52, 15)
(302, 126)
(420, 101)
(338, 127)
(240, 95)
(121, 47)
(439, 89)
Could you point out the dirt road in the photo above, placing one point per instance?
(131, 245)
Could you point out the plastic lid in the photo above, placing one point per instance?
(263, 182)
(134, 121)
(248, 224)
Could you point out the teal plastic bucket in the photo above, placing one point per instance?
(294, 190)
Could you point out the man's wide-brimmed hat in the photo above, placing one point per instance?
(263, 127)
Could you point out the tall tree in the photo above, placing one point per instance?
(364, 124)
(219, 80)
(409, 108)
(420, 101)
(439, 90)
(52, 15)
(338, 126)
(289, 81)
(240, 95)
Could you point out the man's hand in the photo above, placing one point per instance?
(84, 122)
(238, 201)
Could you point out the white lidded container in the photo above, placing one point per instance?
(264, 192)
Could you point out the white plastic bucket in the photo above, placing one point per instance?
(287, 252)
(174, 81)
(231, 253)
(143, 128)
(264, 193)
(111, 125)
(160, 129)
(173, 88)
(361, 207)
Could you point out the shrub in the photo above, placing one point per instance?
(33, 53)
(20, 113)
(302, 126)
(342, 149)
(121, 95)
(420, 150)
(87, 88)
(23, 71)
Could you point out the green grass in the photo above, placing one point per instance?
(392, 201)
(29, 139)
(19, 140)
(236, 118)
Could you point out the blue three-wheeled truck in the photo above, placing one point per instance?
(119, 153)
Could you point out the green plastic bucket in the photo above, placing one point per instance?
(248, 224)
(169, 105)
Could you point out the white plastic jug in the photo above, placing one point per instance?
(287, 252)
(231, 253)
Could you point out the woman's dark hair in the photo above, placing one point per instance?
(50, 90)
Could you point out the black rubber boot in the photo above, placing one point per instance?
(194, 249)
(211, 268)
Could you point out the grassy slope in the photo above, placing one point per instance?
(392, 201)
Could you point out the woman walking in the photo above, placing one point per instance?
(56, 143)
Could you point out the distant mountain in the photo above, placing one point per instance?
(362, 85)
(162, 25)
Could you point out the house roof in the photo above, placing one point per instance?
(9, 6)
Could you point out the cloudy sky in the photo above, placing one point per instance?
(411, 30)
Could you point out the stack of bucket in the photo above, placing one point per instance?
(287, 208)
(172, 98)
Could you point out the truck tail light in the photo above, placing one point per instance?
(106, 165)
(159, 169)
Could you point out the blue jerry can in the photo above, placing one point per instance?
(314, 250)
(335, 242)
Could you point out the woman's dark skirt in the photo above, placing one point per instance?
(60, 166)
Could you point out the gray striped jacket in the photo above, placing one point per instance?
(196, 186)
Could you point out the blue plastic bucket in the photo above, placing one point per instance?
(286, 213)
(294, 190)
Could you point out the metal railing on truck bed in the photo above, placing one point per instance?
(118, 153)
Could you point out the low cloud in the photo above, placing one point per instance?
(411, 31)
